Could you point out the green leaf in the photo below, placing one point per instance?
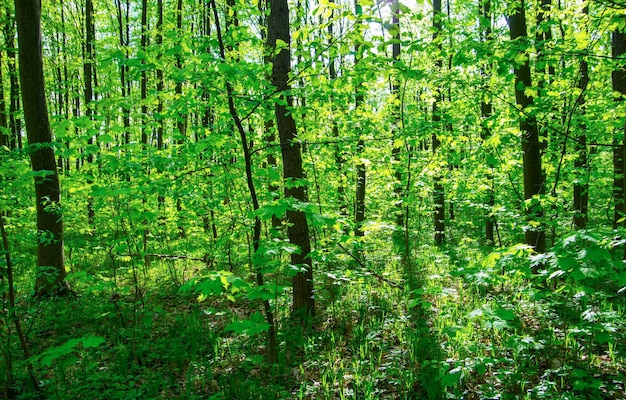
(251, 326)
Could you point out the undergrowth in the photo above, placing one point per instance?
(463, 322)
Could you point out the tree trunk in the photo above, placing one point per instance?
(359, 201)
(533, 176)
(619, 85)
(88, 77)
(581, 181)
(486, 110)
(293, 174)
(439, 212)
(124, 39)
(400, 232)
(4, 122)
(15, 124)
(50, 259)
(258, 266)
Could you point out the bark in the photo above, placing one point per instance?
(619, 85)
(400, 232)
(339, 158)
(533, 177)
(50, 259)
(88, 77)
(439, 212)
(269, 136)
(486, 110)
(293, 174)
(181, 120)
(256, 239)
(144, 74)
(4, 124)
(124, 38)
(581, 182)
(15, 124)
(361, 177)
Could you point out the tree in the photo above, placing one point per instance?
(359, 201)
(400, 232)
(293, 174)
(618, 77)
(534, 180)
(486, 111)
(15, 140)
(50, 258)
(439, 212)
(581, 181)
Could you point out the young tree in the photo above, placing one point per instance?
(533, 177)
(581, 181)
(293, 174)
(359, 201)
(400, 233)
(4, 125)
(15, 124)
(486, 110)
(50, 259)
(618, 44)
(439, 212)
(88, 73)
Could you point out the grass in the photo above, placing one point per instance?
(466, 326)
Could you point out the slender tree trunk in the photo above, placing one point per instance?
(269, 135)
(123, 38)
(359, 201)
(89, 56)
(534, 181)
(439, 212)
(486, 110)
(15, 123)
(4, 122)
(50, 259)
(400, 232)
(293, 174)
(269, 314)
(181, 120)
(159, 87)
(144, 75)
(339, 158)
(619, 85)
(581, 181)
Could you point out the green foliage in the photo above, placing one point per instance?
(158, 234)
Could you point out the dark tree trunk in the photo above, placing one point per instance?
(486, 110)
(15, 123)
(4, 122)
(400, 232)
(269, 136)
(439, 212)
(581, 182)
(181, 120)
(144, 74)
(619, 86)
(269, 314)
(293, 174)
(339, 158)
(50, 260)
(359, 201)
(533, 177)
(361, 184)
(124, 39)
(88, 77)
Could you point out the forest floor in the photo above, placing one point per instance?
(470, 327)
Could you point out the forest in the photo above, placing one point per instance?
(313, 199)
